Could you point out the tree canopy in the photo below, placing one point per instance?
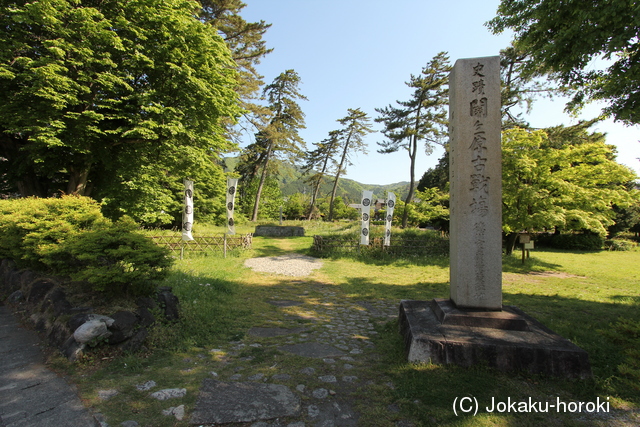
(565, 38)
(355, 125)
(564, 177)
(91, 91)
(279, 137)
(247, 47)
(423, 118)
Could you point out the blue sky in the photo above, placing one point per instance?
(359, 53)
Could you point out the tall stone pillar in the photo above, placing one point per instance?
(475, 184)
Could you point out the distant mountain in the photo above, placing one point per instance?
(292, 181)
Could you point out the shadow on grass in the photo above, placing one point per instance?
(428, 391)
(387, 260)
(510, 264)
(513, 264)
(366, 289)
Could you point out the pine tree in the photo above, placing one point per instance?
(323, 159)
(280, 137)
(245, 41)
(356, 124)
(421, 119)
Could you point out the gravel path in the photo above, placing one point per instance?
(296, 265)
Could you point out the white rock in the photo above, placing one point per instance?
(91, 330)
(107, 394)
(105, 319)
(146, 386)
(313, 411)
(169, 393)
(177, 412)
(320, 393)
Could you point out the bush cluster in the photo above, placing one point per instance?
(405, 243)
(69, 236)
(620, 244)
(577, 241)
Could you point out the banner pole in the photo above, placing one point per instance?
(225, 245)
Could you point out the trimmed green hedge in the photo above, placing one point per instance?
(33, 228)
(581, 242)
(69, 236)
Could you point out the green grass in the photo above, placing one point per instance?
(590, 298)
(582, 296)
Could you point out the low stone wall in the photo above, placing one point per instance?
(43, 301)
(279, 231)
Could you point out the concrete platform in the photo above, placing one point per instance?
(508, 340)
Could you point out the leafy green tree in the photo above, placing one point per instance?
(339, 206)
(271, 199)
(430, 208)
(421, 119)
(153, 195)
(436, 177)
(280, 137)
(563, 37)
(245, 41)
(519, 88)
(323, 159)
(356, 125)
(552, 182)
(295, 206)
(85, 87)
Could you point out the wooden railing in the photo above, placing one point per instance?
(222, 243)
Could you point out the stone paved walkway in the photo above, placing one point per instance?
(328, 340)
(30, 394)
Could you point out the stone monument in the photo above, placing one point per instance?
(473, 326)
(475, 184)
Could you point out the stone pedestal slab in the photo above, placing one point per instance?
(536, 349)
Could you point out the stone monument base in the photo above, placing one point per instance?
(509, 340)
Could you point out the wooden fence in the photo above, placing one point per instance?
(326, 245)
(204, 243)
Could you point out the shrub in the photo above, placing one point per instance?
(114, 259)
(32, 228)
(620, 245)
(582, 242)
(405, 243)
(69, 236)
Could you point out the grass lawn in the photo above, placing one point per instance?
(590, 298)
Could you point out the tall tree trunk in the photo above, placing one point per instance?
(314, 196)
(263, 177)
(30, 186)
(78, 178)
(413, 148)
(510, 243)
(333, 195)
(335, 183)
